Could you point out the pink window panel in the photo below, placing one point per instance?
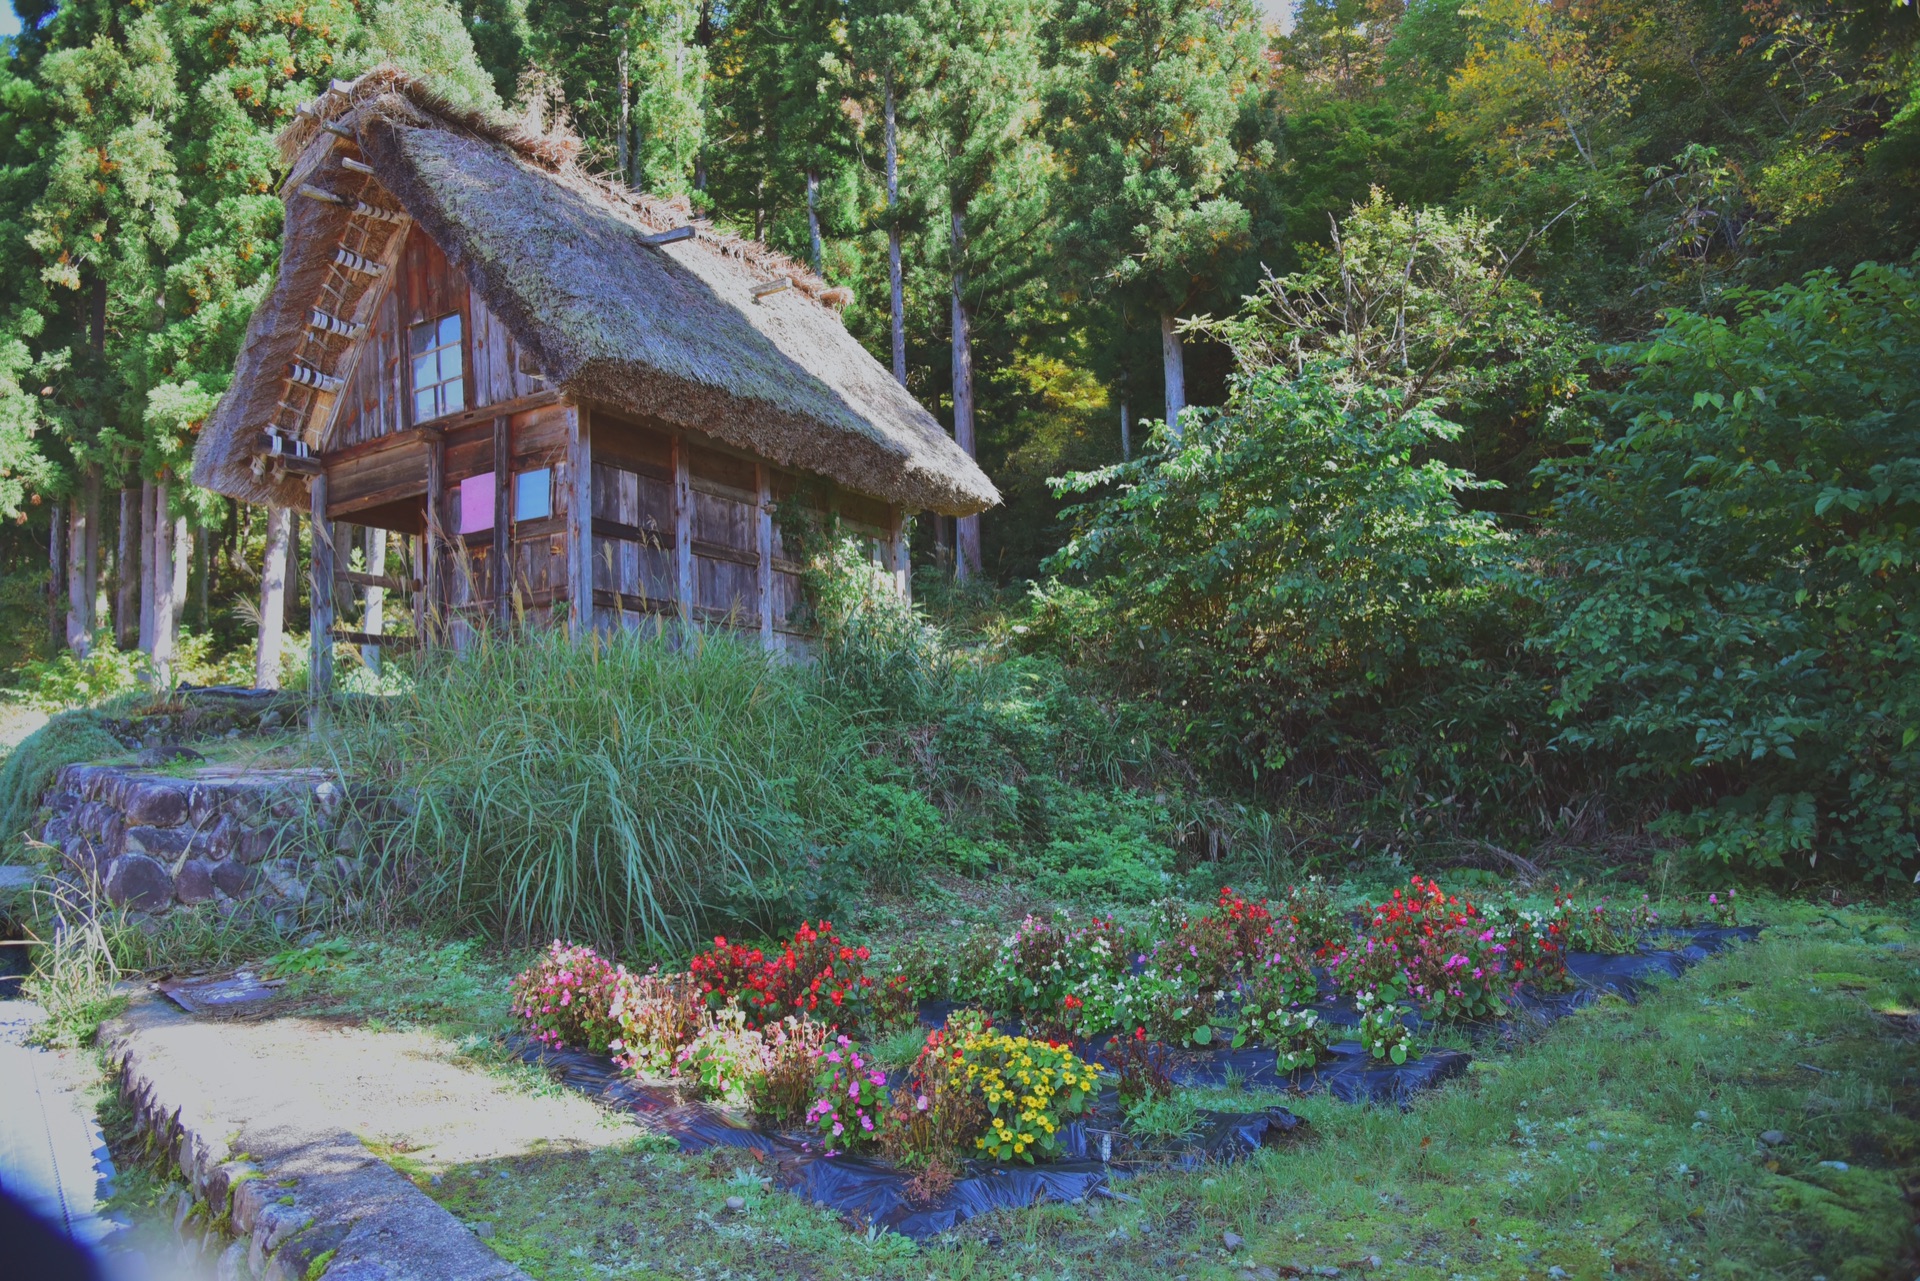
(476, 503)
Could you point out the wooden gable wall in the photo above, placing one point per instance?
(376, 400)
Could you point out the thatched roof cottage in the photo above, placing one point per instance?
(563, 390)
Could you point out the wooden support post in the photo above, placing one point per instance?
(433, 573)
(417, 557)
(682, 529)
(273, 599)
(502, 522)
(373, 614)
(897, 555)
(321, 590)
(763, 581)
(579, 522)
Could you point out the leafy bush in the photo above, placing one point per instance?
(783, 1087)
(936, 1119)
(567, 998)
(1030, 1088)
(814, 973)
(656, 1015)
(1381, 1031)
(1739, 580)
(68, 681)
(1143, 1065)
(1163, 1118)
(625, 791)
(850, 1096)
(30, 769)
(723, 1057)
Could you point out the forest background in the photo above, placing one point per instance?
(1543, 378)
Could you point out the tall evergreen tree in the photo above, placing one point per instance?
(1144, 96)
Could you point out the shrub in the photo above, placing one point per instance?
(1144, 1066)
(1739, 579)
(1437, 949)
(936, 1117)
(1605, 926)
(780, 1092)
(567, 998)
(69, 681)
(1315, 919)
(1265, 998)
(813, 973)
(1030, 1089)
(1381, 1031)
(850, 1096)
(723, 1057)
(657, 1014)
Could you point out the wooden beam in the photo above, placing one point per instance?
(763, 553)
(579, 522)
(321, 626)
(502, 522)
(434, 569)
(682, 527)
(379, 640)
(388, 581)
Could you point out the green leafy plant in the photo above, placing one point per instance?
(1381, 1030)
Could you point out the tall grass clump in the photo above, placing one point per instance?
(628, 790)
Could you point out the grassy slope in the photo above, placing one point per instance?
(1622, 1140)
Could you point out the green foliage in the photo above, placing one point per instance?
(628, 792)
(68, 739)
(1740, 577)
(66, 681)
(1163, 1118)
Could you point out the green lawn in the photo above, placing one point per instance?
(1622, 1141)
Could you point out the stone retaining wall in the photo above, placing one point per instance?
(154, 839)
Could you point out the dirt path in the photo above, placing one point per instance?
(308, 1104)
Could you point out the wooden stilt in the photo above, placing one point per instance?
(320, 589)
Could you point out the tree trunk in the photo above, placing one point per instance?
(896, 293)
(94, 593)
(182, 549)
(146, 567)
(966, 534)
(1174, 362)
(273, 599)
(162, 578)
(374, 621)
(79, 587)
(202, 571)
(57, 577)
(626, 113)
(126, 573)
(1126, 434)
(813, 221)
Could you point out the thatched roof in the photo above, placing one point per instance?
(672, 331)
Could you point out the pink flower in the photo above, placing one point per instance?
(921, 1103)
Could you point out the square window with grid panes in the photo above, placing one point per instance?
(438, 385)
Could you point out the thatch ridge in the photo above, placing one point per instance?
(671, 331)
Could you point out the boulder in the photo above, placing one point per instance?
(166, 843)
(195, 883)
(156, 802)
(134, 880)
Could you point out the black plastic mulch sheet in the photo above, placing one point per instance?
(1096, 1149)
(874, 1192)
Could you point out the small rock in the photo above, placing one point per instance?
(1232, 1240)
(1835, 1165)
(736, 1204)
(233, 733)
(1595, 1145)
(167, 753)
(1699, 1116)
(436, 1181)
(483, 1230)
(1556, 1271)
(1773, 1138)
